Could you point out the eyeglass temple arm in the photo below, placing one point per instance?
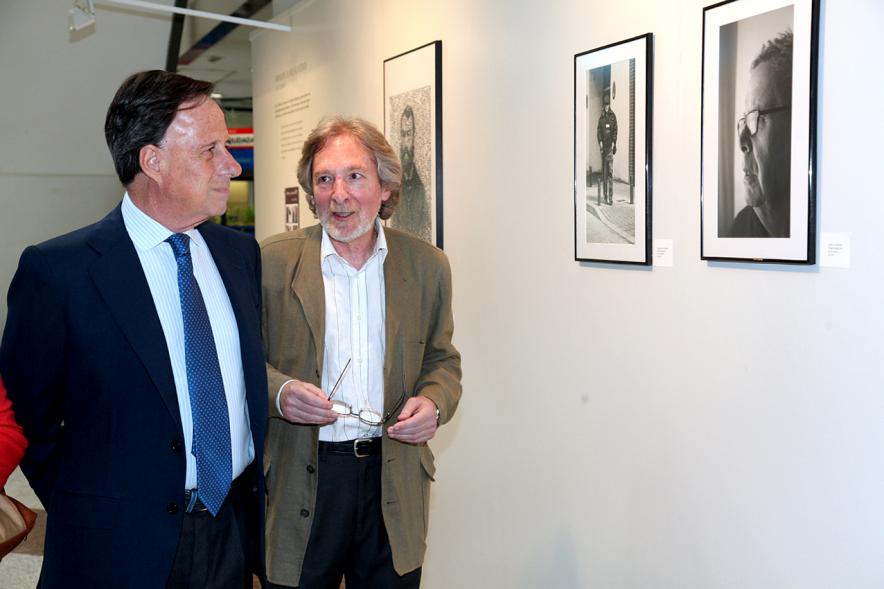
(340, 378)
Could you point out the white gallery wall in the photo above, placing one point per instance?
(56, 173)
(700, 426)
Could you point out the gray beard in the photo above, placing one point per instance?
(338, 235)
(407, 159)
(408, 172)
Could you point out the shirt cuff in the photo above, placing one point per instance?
(279, 395)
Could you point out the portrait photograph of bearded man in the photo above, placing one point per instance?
(410, 136)
(413, 127)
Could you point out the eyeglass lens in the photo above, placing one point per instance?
(750, 121)
(367, 416)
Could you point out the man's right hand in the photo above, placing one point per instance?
(302, 402)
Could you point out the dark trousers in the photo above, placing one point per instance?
(608, 175)
(347, 538)
(219, 552)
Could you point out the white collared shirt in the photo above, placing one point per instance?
(161, 271)
(355, 312)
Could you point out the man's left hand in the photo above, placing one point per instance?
(417, 422)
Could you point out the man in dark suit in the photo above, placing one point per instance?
(132, 354)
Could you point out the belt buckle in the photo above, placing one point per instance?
(356, 447)
(191, 497)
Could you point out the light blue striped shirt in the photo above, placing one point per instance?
(161, 271)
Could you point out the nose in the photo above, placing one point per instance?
(339, 189)
(231, 167)
(745, 140)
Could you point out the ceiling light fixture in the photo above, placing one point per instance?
(81, 15)
(199, 14)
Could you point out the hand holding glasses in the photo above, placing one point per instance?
(367, 416)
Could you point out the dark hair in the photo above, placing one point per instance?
(389, 168)
(777, 53)
(142, 110)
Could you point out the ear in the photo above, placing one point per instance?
(151, 159)
(385, 195)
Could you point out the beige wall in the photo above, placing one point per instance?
(703, 426)
(55, 170)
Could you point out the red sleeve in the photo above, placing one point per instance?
(12, 440)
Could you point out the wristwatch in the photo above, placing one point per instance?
(438, 415)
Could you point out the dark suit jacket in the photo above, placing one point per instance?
(87, 368)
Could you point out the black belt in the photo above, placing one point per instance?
(192, 502)
(238, 488)
(360, 448)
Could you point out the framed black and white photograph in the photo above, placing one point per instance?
(612, 152)
(413, 126)
(759, 131)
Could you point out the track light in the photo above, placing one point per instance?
(82, 15)
(201, 14)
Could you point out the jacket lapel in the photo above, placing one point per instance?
(309, 289)
(120, 280)
(396, 295)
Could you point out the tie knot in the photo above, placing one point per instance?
(180, 243)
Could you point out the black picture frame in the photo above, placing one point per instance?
(612, 193)
(413, 97)
(758, 132)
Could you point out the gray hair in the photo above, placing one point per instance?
(388, 167)
(777, 53)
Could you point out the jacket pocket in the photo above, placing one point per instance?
(428, 462)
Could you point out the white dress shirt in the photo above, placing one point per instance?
(161, 271)
(355, 311)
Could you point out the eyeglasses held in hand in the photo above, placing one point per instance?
(367, 416)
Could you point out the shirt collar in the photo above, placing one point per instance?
(145, 231)
(380, 245)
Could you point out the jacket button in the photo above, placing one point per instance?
(305, 513)
(310, 469)
(172, 508)
(177, 445)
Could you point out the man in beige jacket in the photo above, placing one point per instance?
(361, 370)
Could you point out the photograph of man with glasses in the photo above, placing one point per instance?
(764, 135)
(753, 117)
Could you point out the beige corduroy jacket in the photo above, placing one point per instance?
(419, 352)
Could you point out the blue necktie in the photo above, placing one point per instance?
(208, 403)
